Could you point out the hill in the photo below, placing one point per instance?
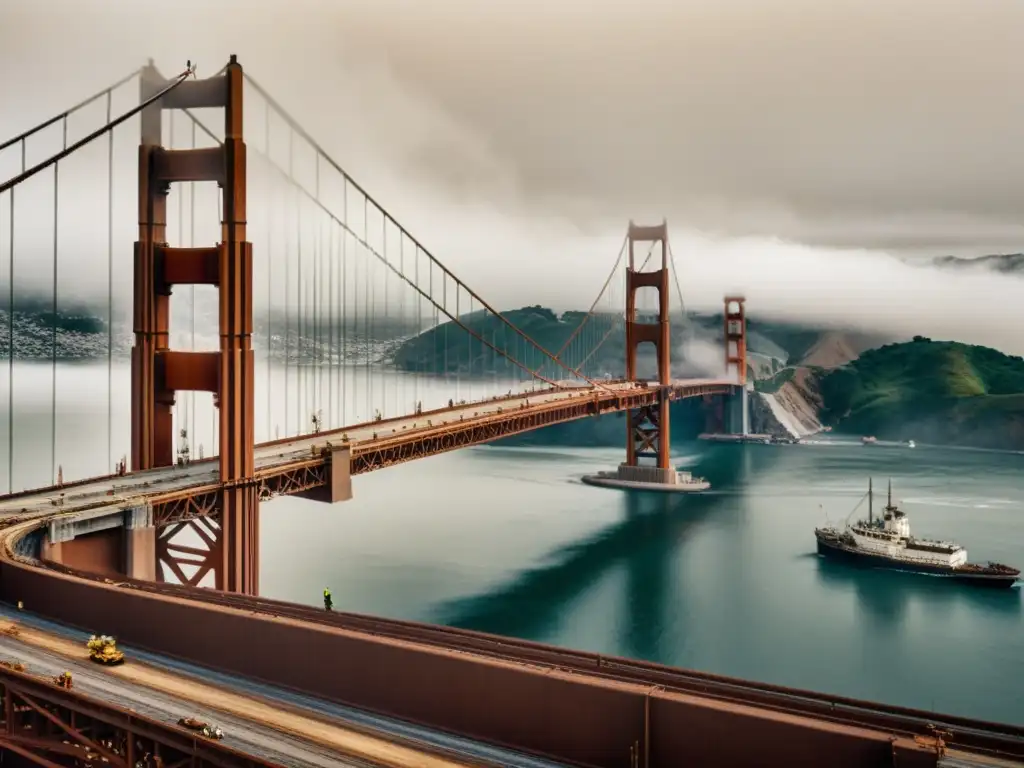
(934, 391)
(771, 345)
(1004, 262)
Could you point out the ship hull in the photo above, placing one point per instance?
(838, 551)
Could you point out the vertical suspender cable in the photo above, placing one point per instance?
(110, 287)
(270, 283)
(366, 320)
(318, 320)
(10, 348)
(330, 325)
(192, 244)
(344, 310)
(318, 276)
(177, 191)
(299, 322)
(371, 327)
(287, 291)
(401, 311)
(213, 415)
(10, 342)
(384, 250)
(53, 314)
(420, 338)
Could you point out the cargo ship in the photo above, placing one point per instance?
(887, 543)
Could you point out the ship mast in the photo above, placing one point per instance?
(871, 498)
(889, 505)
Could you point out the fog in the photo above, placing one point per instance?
(799, 149)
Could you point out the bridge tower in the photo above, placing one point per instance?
(648, 428)
(158, 372)
(735, 327)
(730, 414)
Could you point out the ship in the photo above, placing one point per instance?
(887, 543)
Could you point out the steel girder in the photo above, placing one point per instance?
(306, 474)
(58, 728)
(181, 509)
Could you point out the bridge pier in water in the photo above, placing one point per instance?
(648, 463)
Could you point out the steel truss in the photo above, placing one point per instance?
(173, 510)
(58, 728)
(646, 431)
(181, 509)
(463, 434)
(175, 558)
(295, 479)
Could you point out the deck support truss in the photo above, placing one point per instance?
(56, 728)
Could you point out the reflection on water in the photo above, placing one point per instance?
(889, 598)
(509, 541)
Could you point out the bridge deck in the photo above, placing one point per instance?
(278, 456)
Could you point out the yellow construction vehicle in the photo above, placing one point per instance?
(63, 680)
(103, 650)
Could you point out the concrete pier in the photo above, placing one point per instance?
(648, 478)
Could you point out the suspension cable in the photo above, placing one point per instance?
(363, 240)
(298, 129)
(68, 150)
(68, 112)
(675, 278)
(590, 312)
(650, 254)
(110, 287)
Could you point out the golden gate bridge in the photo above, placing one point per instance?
(342, 345)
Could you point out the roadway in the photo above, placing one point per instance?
(128, 490)
(257, 719)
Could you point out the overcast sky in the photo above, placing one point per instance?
(795, 146)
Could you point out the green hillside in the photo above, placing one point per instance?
(937, 391)
(447, 347)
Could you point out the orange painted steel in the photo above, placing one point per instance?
(735, 322)
(159, 373)
(579, 708)
(307, 473)
(647, 428)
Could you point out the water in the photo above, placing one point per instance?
(509, 541)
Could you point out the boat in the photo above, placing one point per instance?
(869, 439)
(911, 444)
(888, 543)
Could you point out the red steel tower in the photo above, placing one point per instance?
(158, 372)
(735, 321)
(648, 428)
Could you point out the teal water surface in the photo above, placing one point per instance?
(509, 541)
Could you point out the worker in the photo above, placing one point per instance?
(327, 599)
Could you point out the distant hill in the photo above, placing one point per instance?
(933, 391)
(772, 345)
(1006, 263)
